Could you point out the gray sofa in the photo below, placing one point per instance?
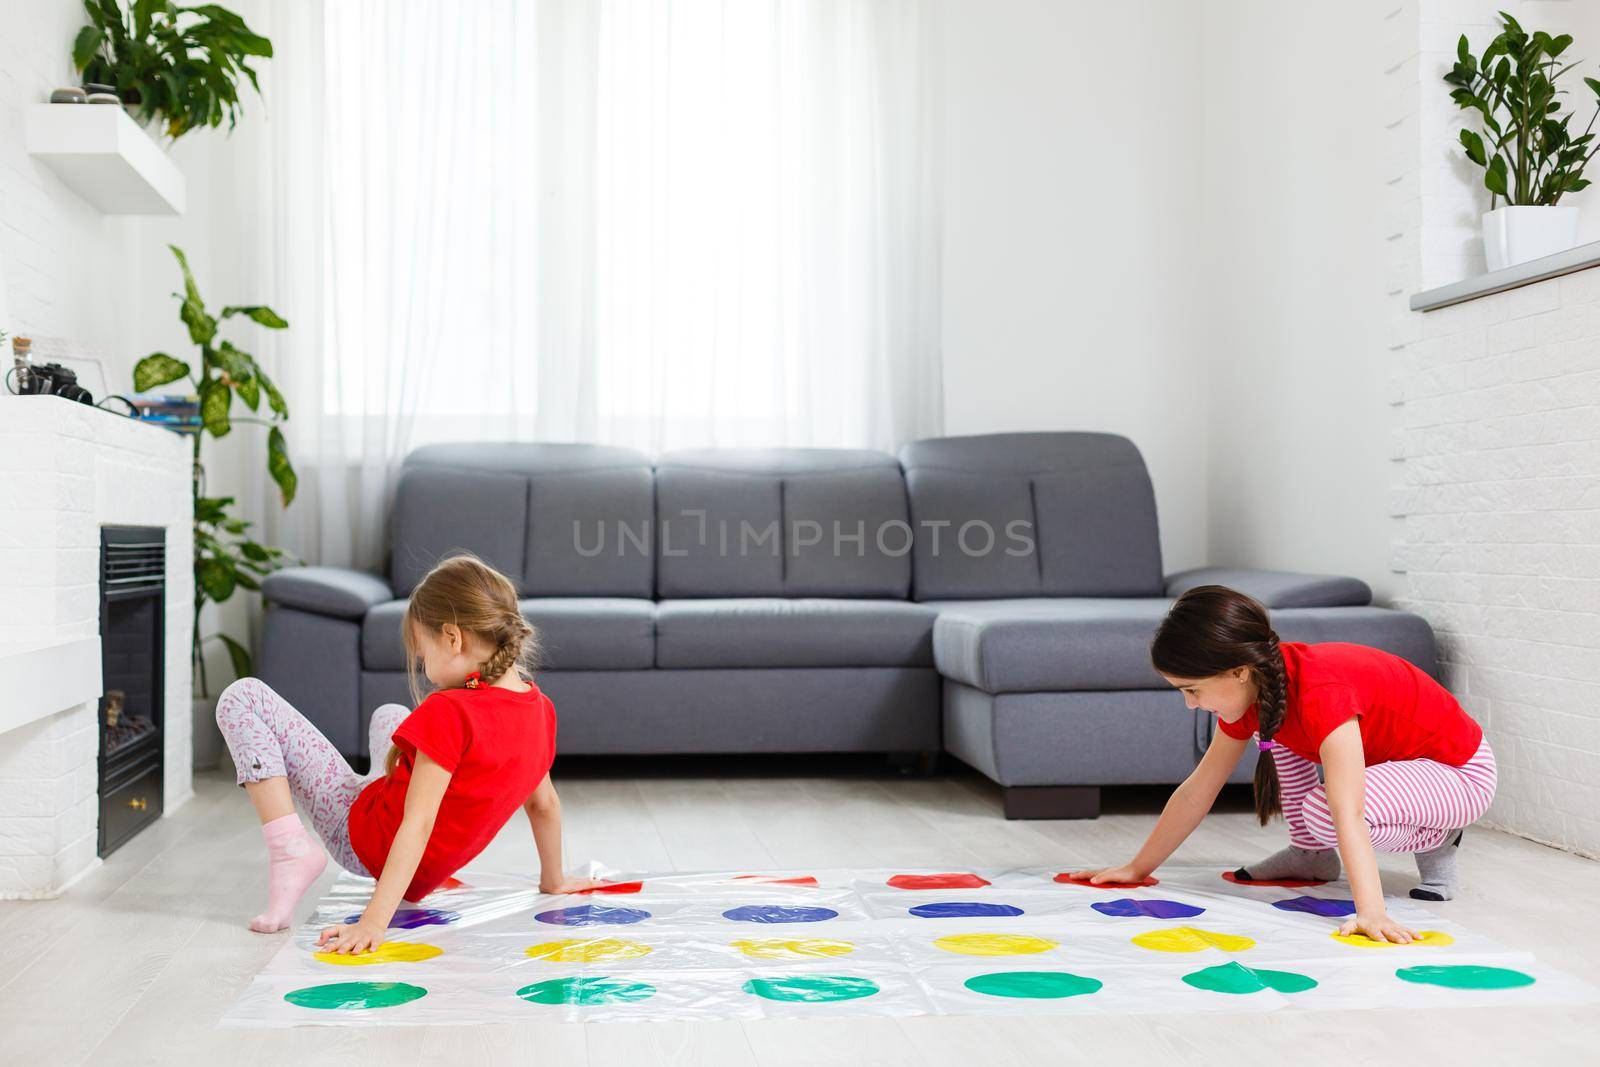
(992, 597)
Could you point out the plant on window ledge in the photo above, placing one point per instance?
(1529, 153)
(183, 66)
(226, 558)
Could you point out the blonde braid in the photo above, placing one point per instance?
(515, 637)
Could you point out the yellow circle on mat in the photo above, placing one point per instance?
(995, 944)
(778, 948)
(388, 952)
(1191, 939)
(589, 950)
(1436, 938)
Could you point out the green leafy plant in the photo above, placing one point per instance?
(182, 65)
(226, 558)
(1531, 157)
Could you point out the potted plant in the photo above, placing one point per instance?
(1528, 150)
(226, 558)
(181, 67)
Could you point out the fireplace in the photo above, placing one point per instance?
(133, 706)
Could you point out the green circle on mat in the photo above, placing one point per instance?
(350, 996)
(586, 991)
(1465, 976)
(811, 988)
(1237, 978)
(1033, 985)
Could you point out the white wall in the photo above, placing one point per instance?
(1498, 399)
(69, 272)
(1292, 265)
(1071, 148)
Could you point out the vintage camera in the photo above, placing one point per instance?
(52, 379)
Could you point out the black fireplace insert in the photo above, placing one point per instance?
(133, 586)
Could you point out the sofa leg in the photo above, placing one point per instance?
(914, 764)
(1051, 801)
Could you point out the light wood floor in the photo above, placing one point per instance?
(138, 961)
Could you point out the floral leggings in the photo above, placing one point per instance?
(270, 739)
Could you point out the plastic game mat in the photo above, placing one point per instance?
(740, 945)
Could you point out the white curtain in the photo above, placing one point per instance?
(639, 222)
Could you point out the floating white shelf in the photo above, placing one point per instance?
(105, 157)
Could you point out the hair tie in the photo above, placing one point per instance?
(1266, 746)
(474, 679)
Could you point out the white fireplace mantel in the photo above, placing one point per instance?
(66, 470)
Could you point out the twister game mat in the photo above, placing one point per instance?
(740, 945)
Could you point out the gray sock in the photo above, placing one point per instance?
(1294, 863)
(1437, 869)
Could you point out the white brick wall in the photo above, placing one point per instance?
(1498, 454)
(59, 256)
(65, 471)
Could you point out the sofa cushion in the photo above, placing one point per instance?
(575, 633)
(792, 522)
(1047, 514)
(557, 519)
(1065, 645)
(1048, 644)
(782, 632)
(439, 511)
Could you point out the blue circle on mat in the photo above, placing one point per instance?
(411, 918)
(1128, 908)
(592, 915)
(1330, 909)
(962, 909)
(778, 913)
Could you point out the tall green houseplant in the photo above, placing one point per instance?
(183, 66)
(226, 558)
(1530, 155)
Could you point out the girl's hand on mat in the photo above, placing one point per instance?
(1379, 928)
(565, 884)
(351, 938)
(1124, 873)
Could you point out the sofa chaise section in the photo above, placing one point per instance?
(1047, 683)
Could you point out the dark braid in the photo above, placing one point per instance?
(1212, 630)
(1271, 703)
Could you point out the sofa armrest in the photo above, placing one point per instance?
(333, 591)
(1277, 589)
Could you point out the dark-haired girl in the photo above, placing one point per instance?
(1405, 767)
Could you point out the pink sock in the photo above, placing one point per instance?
(294, 861)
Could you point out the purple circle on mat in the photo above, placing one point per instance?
(1330, 909)
(592, 915)
(1128, 908)
(962, 909)
(411, 918)
(778, 913)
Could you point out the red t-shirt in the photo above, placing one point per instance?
(497, 745)
(1404, 714)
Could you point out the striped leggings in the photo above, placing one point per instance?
(1412, 805)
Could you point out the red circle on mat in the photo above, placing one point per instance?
(803, 880)
(452, 883)
(937, 881)
(614, 887)
(1283, 883)
(1066, 879)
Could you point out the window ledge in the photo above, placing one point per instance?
(1498, 281)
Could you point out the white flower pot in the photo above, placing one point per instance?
(1513, 235)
